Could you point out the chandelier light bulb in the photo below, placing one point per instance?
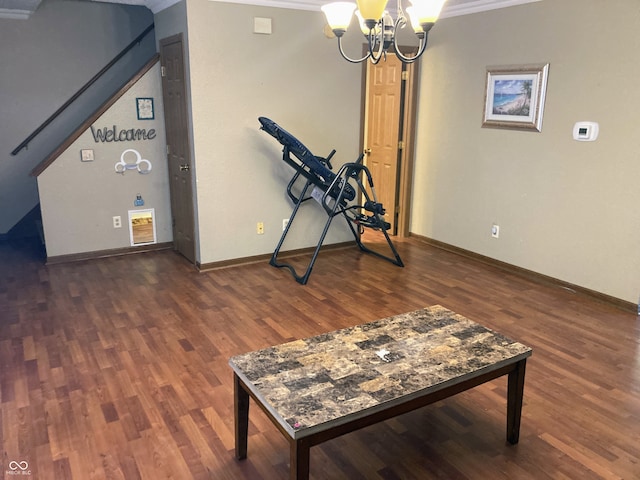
(339, 15)
(364, 28)
(415, 21)
(371, 9)
(426, 11)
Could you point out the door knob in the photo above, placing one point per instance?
(184, 167)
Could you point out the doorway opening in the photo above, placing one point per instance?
(388, 134)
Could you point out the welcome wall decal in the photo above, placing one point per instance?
(109, 135)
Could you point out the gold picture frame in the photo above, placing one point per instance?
(514, 97)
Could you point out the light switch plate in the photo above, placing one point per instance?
(86, 155)
(262, 25)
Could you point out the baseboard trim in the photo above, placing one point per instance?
(116, 252)
(205, 267)
(530, 274)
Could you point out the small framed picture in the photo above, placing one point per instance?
(514, 97)
(145, 108)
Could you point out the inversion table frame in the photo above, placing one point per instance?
(333, 191)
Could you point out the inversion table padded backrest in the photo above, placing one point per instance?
(316, 165)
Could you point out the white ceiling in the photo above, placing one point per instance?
(22, 9)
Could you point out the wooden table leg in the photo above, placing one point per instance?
(299, 458)
(241, 416)
(515, 395)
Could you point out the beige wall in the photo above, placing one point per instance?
(80, 199)
(566, 209)
(293, 76)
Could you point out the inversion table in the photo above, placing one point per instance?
(337, 192)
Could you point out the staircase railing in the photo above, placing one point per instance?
(84, 88)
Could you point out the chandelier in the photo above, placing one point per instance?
(379, 27)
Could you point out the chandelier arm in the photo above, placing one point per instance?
(376, 56)
(344, 55)
(421, 48)
(375, 61)
(380, 54)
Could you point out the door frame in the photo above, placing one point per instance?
(408, 136)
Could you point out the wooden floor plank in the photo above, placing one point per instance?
(117, 368)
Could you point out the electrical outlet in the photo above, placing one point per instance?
(495, 231)
(285, 222)
(117, 222)
(260, 228)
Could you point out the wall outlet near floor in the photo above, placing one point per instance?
(495, 231)
(260, 228)
(285, 222)
(117, 222)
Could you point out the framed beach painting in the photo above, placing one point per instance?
(514, 97)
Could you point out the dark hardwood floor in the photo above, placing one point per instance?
(116, 368)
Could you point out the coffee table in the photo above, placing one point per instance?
(319, 388)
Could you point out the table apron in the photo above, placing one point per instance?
(335, 431)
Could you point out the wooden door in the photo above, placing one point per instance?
(383, 132)
(178, 148)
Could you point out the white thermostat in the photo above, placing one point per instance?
(585, 131)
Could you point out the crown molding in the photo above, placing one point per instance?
(313, 5)
(14, 14)
(477, 6)
(158, 5)
(457, 8)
